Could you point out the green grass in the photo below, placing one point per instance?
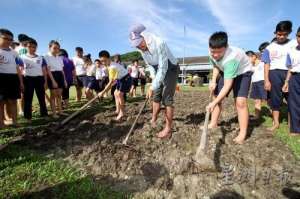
(25, 174)
(283, 132)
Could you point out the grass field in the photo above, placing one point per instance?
(23, 170)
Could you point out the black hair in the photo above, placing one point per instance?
(6, 32)
(23, 38)
(97, 60)
(250, 53)
(87, 57)
(53, 42)
(284, 26)
(63, 52)
(218, 40)
(79, 49)
(32, 41)
(104, 53)
(298, 31)
(135, 60)
(262, 46)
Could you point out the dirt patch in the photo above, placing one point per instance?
(150, 168)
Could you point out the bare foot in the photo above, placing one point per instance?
(165, 134)
(153, 124)
(273, 128)
(119, 117)
(239, 140)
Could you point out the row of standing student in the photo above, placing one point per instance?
(276, 76)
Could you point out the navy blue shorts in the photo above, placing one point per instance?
(81, 79)
(277, 78)
(9, 87)
(124, 84)
(135, 82)
(143, 81)
(241, 85)
(90, 82)
(58, 76)
(258, 91)
(294, 102)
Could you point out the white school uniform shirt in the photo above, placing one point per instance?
(134, 71)
(101, 72)
(9, 61)
(293, 60)
(142, 72)
(79, 66)
(258, 72)
(55, 63)
(158, 54)
(91, 70)
(234, 62)
(33, 65)
(276, 54)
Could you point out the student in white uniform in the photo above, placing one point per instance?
(292, 86)
(134, 73)
(274, 58)
(35, 79)
(231, 71)
(56, 78)
(164, 69)
(119, 74)
(90, 82)
(80, 72)
(11, 82)
(258, 92)
(101, 76)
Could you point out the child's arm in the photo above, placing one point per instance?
(266, 59)
(51, 77)
(285, 87)
(20, 68)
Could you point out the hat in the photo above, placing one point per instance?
(135, 36)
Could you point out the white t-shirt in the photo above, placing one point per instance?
(258, 72)
(293, 60)
(134, 71)
(9, 61)
(276, 55)
(234, 62)
(101, 72)
(91, 70)
(79, 66)
(55, 63)
(33, 66)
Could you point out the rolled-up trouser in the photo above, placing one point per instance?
(165, 93)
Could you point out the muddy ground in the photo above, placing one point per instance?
(263, 167)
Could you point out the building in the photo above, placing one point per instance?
(190, 66)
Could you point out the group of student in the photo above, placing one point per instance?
(274, 73)
(23, 72)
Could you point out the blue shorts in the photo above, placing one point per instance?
(81, 79)
(294, 102)
(277, 78)
(124, 84)
(90, 82)
(258, 91)
(9, 87)
(241, 85)
(58, 76)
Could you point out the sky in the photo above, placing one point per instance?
(104, 24)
